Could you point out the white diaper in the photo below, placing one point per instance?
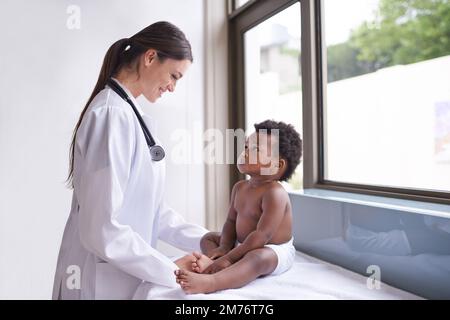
(285, 253)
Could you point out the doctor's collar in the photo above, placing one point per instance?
(130, 95)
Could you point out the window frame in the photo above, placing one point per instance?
(313, 66)
(241, 20)
(232, 4)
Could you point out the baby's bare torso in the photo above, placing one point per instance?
(248, 205)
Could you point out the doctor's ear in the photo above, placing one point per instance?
(149, 57)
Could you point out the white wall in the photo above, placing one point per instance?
(47, 72)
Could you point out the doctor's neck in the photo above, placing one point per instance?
(128, 80)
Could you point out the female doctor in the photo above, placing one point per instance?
(117, 172)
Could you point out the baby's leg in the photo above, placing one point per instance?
(254, 264)
(209, 242)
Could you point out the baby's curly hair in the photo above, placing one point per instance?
(289, 141)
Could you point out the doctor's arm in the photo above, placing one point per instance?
(174, 230)
(106, 141)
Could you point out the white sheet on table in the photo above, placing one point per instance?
(309, 278)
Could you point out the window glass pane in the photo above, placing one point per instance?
(272, 75)
(240, 3)
(387, 98)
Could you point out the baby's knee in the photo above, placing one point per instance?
(256, 255)
(263, 260)
(211, 236)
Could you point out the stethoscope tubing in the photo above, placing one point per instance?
(156, 152)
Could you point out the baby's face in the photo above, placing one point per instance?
(260, 156)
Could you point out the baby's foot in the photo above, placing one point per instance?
(201, 263)
(192, 282)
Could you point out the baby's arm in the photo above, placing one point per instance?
(274, 203)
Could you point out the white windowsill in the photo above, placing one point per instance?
(428, 208)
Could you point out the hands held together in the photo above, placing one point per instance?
(195, 269)
(200, 263)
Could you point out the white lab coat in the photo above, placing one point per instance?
(118, 211)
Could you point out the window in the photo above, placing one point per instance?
(369, 90)
(240, 3)
(272, 74)
(386, 95)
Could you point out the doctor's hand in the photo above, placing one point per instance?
(219, 264)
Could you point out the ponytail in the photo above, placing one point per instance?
(110, 63)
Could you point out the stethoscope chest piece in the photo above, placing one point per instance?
(157, 153)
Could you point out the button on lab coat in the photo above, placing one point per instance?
(118, 209)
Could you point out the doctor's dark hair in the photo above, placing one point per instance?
(165, 38)
(289, 141)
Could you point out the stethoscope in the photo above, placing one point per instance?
(156, 152)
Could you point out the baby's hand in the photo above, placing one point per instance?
(218, 265)
(201, 262)
(217, 253)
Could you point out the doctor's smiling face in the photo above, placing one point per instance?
(159, 74)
